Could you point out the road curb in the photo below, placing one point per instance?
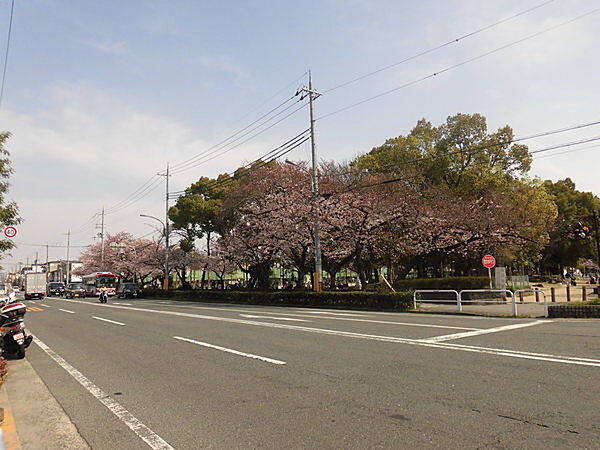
(9, 440)
(39, 421)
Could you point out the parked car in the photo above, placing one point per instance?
(128, 290)
(16, 289)
(75, 290)
(55, 288)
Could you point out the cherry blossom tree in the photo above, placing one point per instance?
(127, 256)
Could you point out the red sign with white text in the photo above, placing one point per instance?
(488, 261)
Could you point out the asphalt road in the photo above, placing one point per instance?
(191, 375)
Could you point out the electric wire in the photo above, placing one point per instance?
(149, 189)
(212, 155)
(10, 22)
(439, 47)
(462, 63)
(263, 161)
(566, 152)
(231, 137)
(150, 180)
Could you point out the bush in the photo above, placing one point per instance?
(3, 371)
(358, 300)
(454, 283)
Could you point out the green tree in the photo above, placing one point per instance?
(9, 211)
(196, 213)
(574, 208)
(460, 154)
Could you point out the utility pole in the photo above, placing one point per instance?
(318, 275)
(47, 263)
(166, 175)
(102, 241)
(68, 263)
(597, 236)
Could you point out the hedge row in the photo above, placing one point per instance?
(574, 311)
(357, 300)
(454, 283)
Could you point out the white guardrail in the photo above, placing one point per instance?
(460, 300)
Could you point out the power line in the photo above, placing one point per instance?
(248, 128)
(12, 8)
(143, 193)
(150, 180)
(264, 160)
(568, 144)
(439, 47)
(214, 155)
(462, 63)
(566, 152)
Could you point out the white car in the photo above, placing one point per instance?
(16, 289)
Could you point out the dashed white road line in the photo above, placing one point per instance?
(125, 304)
(153, 440)
(251, 316)
(418, 342)
(334, 313)
(67, 311)
(466, 334)
(109, 321)
(229, 350)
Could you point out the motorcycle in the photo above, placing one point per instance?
(13, 336)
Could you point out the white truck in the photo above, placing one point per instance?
(35, 285)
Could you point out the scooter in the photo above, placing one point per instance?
(14, 338)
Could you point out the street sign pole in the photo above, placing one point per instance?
(489, 262)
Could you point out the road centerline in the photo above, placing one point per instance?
(108, 320)
(229, 350)
(66, 310)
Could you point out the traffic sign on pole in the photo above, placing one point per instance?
(488, 261)
(10, 232)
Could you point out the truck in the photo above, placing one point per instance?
(35, 285)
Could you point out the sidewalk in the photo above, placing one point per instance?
(33, 419)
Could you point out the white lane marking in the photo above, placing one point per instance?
(228, 350)
(250, 316)
(385, 322)
(418, 342)
(153, 440)
(47, 306)
(333, 313)
(126, 304)
(109, 321)
(466, 334)
(67, 311)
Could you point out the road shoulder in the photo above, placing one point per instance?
(40, 421)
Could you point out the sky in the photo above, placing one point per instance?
(101, 96)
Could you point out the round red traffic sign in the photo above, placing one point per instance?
(10, 232)
(488, 261)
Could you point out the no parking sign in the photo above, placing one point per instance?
(10, 232)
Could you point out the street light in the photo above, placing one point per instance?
(166, 231)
